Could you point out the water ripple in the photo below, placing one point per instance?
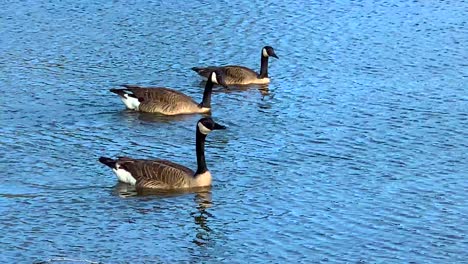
(355, 152)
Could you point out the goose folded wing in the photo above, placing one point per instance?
(159, 172)
(159, 95)
(151, 184)
(239, 72)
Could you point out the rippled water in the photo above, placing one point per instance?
(355, 153)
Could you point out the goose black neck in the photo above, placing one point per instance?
(206, 102)
(263, 67)
(200, 144)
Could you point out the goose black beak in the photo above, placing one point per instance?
(218, 126)
(274, 56)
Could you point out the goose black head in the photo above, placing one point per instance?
(206, 125)
(268, 51)
(217, 76)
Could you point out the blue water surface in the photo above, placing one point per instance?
(356, 152)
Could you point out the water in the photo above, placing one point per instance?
(355, 153)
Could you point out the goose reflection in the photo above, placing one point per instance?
(201, 217)
(132, 116)
(124, 190)
(202, 198)
(262, 88)
(153, 118)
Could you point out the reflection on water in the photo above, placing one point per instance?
(124, 190)
(202, 217)
(262, 88)
(202, 198)
(154, 117)
(150, 117)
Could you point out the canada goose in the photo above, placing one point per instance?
(168, 101)
(164, 174)
(240, 74)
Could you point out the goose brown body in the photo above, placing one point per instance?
(240, 75)
(158, 174)
(168, 101)
(234, 74)
(165, 101)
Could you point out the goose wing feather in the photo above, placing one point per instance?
(161, 94)
(151, 184)
(233, 73)
(157, 173)
(160, 99)
(239, 74)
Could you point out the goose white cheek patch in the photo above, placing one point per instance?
(213, 78)
(203, 129)
(265, 53)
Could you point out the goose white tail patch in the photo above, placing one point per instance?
(213, 77)
(124, 176)
(130, 102)
(203, 129)
(264, 52)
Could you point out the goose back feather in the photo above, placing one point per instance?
(165, 101)
(168, 101)
(233, 74)
(158, 174)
